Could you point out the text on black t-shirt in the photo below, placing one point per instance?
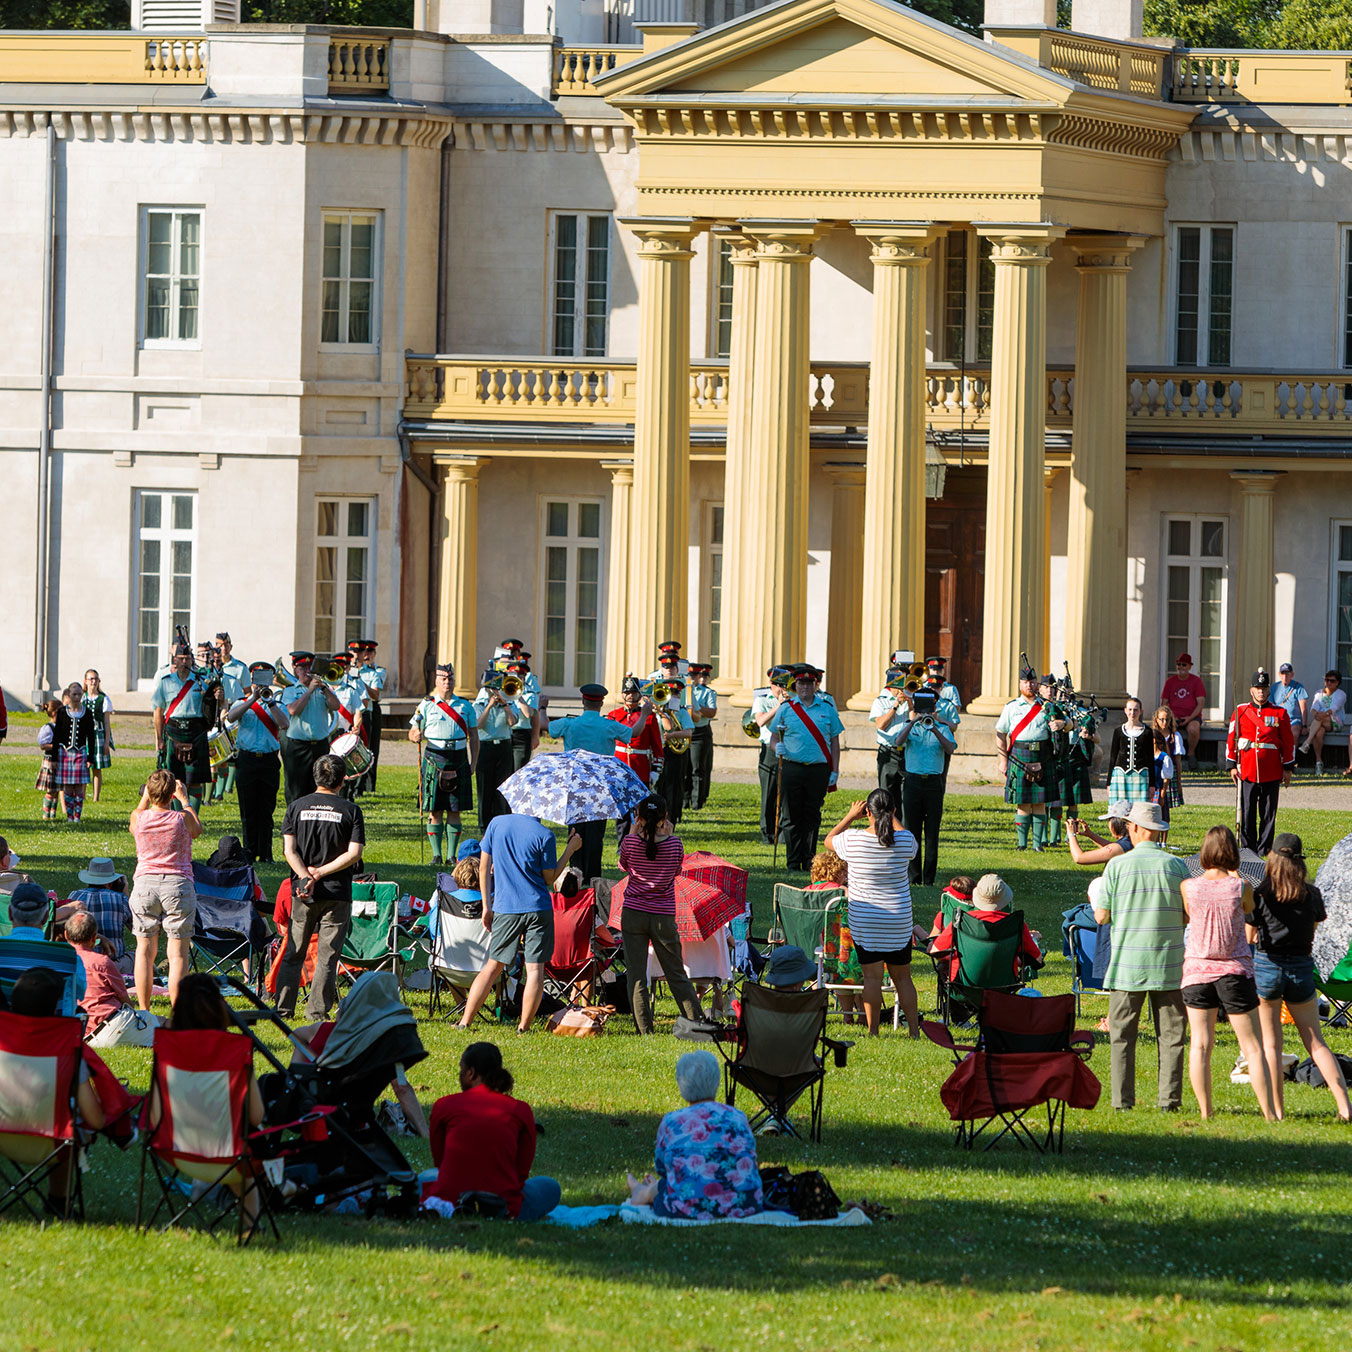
(324, 825)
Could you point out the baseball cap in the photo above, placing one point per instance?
(1285, 667)
(469, 849)
(28, 905)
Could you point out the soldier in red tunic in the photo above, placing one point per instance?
(643, 755)
(1261, 752)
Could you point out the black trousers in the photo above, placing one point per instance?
(495, 764)
(1258, 814)
(257, 776)
(802, 791)
(520, 747)
(767, 768)
(671, 782)
(593, 836)
(298, 763)
(892, 778)
(699, 767)
(924, 797)
(374, 722)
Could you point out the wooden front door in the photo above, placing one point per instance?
(955, 566)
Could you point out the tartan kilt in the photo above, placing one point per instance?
(1019, 788)
(1075, 786)
(103, 756)
(66, 770)
(1133, 787)
(196, 770)
(437, 799)
(1171, 792)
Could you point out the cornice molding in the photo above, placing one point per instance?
(552, 135)
(242, 127)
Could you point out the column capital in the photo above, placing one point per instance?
(899, 243)
(619, 469)
(1104, 253)
(786, 241)
(463, 469)
(741, 246)
(663, 236)
(1029, 245)
(1256, 481)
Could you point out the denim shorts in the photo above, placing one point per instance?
(1284, 978)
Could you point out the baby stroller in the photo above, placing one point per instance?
(342, 1153)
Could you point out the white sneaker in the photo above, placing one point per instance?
(1319, 767)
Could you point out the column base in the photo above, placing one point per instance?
(725, 686)
(862, 702)
(984, 706)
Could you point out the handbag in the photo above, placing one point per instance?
(580, 1020)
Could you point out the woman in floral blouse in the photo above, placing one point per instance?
(705, 1155)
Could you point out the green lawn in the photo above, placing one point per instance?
(1151, 1231)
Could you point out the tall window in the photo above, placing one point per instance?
(1341, 627)
(344, 554)
(580, 290)
(1347, 298)
(721, 307)
(1204, 286)
(572, 592)
(967, 300)
(713, 584)
(166, 537)
(1194, 603)
(173, 274)
(350, 248)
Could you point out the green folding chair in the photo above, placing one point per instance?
(800, 919)
(372, 942)
(987, 953)
(1337, 990)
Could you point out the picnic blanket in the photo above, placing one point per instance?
(645, 1215)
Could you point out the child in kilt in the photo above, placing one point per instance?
(101, 710)
(68, 748)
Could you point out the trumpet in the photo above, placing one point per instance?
(657, 691)
(501, 683)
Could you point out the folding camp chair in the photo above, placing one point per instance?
(778, 1052)
(200, 1088)
(985, 957)
(459, 951)
(39, 1131)
(1337, 990)
(1027, 1055)
(6, 925)
(1079, 943)
(576, 963)
(372, 942)
(229, 937)
(18, 956)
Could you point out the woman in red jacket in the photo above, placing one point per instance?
(483, 1140)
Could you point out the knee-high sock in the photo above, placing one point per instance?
(436, 833)
(452, 841)
(1054, 828)
(1021, 829)
(1039, 830)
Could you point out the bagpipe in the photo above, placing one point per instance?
(1079, 709)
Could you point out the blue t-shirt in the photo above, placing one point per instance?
(522, 848)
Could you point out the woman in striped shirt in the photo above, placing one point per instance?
(880, 902)
(651, 856)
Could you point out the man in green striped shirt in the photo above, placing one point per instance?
(1143, 898)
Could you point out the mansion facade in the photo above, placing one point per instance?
(820, 331)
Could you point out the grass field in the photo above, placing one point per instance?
(1151, 1231)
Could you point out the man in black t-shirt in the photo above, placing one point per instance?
(322, 834)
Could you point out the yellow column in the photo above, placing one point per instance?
(845, 606)
(774, 618)
(617, 578)
(1096, 527)
(740, 498)
(1256, 587)
(1016, 552)
(1044, 658)
(893, 603)
(457, 622)
(660, 527)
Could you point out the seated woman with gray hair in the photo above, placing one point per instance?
(705, 1155)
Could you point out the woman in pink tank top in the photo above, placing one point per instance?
(1218, 969)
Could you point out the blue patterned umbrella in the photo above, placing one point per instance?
(574, 786)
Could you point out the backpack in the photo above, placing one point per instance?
(806, 1195)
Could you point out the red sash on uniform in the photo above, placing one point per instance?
(453, 716)
(1027, 719)
(265, 720)
(812, 728)
(178, 699)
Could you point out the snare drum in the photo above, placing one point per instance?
(220, 745)
(353, 753)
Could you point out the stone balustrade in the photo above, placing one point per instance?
(1233, 76)
(575, 68)
(103, 58)
(479, 389)
(1101, 63)
(359, 64)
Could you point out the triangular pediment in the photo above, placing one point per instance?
(803, 49)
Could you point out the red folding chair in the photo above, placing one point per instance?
(1027, 1056)
(200, 1089)
(577, 961)
(39, 1122)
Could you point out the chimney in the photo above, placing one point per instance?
(181, 16)
(1120, 19)
(1021, 14)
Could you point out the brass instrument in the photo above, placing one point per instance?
(657, 691)
(750, 726)
(508, 686)
(333, 672)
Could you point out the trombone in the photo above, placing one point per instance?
(498, 682)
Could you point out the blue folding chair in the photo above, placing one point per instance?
(18, 956)
(1080, 942)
